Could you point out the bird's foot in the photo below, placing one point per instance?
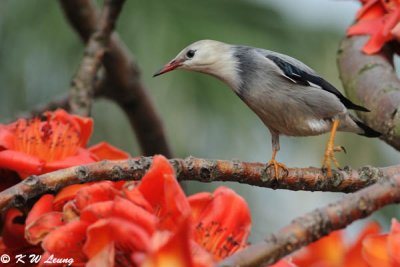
(329, 157)
(276, 166)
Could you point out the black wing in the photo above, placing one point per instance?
(299, 76)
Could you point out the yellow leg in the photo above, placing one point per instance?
(276, 164)
(330, 149)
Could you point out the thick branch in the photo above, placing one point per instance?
(121, 81)
(318, 223)
(371, 80)
(311, 179)
(82, 87)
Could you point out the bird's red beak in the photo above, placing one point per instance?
(168, 67)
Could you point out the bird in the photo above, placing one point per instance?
(289, 97)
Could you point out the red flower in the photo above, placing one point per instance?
(221, 222)
(150, 223)
(383, 249)
(12, 241)
(331, 251)
(35, 146)
(284, 263)
(379, 19)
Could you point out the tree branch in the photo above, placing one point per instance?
(372, 81)
(82, 86)
(204, 170)
(318, 223)
(121, 82)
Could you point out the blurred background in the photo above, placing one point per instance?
(39, 53)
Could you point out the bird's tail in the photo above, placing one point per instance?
(367, 131)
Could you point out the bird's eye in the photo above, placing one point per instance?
(190, 53)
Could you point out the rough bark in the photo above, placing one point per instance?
(371, 80)
(203, 170)
(82, 85)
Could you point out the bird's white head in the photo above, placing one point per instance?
(207, 56)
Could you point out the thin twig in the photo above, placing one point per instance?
(318, 223)
(204, 170)
(121, 82)
(82, 86)
(371, 80)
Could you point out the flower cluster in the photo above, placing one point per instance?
(381, 20)
(58, 141)
(150, 223)
(383, 249)
(370, 249)
(146, 223)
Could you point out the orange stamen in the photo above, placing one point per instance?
(49, 140)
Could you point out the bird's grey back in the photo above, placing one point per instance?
(249, 58)
(283, 105)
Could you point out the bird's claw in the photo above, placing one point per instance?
(329, 157)
(276, 166)
(340, 149)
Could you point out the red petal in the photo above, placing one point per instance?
(70, 212)
(83, 157)
(353, 256)
(7, 137)
(125, 209)
(375, 28)
(285, 263)
(119, 185)
(97, 192)
(390, 5)
(223, 225)
(380, 29)
(126, 236)
(198, 203)
(328, 251)
(161, 189)
(372, 26)
(391, 20)
(86, 128)
(42, 206)
(200, 256)
(67, 241)
(13, 229)
(396, 31)
(20, 162)
(132, 193)
(66, 194)
(375, 251)
(120, 208)
(84, 125)
(104, 150)
(12, 241)
(97, 211)
(375, 43)
(394, 242)
(370, 10)
(176, 251)
(43, 258)
(104, 258)
(38, 229)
